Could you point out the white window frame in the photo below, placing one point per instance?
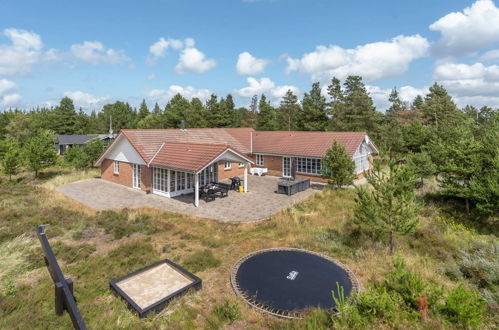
(136, 176)
(116, 167)
(259, 160)
(240, 164)
(308, 165)
(227, 163)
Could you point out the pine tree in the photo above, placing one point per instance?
(11, 160)
(313, 116)
(267, 116)
(359, 113)
(81, 123)
(64, 117)
(197, 114)
(143, 110)
(421, 164)
(484, 183)
(39, 151)
(337, 166)
(390, 207)
(455, 152)
(121, 113)
(417, 103)
(156, 111)
(396, 105)
(176, 110)
(288, 111)
(438, 108)
(254, 104)
(337, 105)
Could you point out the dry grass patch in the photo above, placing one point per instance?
(96, 247)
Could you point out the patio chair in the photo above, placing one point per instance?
(207, 194)
(223, 189)
(235, 183)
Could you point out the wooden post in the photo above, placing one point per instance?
(196, 189)
(59, 299)
(246, 177)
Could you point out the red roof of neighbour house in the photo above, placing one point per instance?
(187, 156)
(299, 143)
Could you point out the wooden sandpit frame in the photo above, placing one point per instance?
(139, 301)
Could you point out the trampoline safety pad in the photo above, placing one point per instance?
(287, 282)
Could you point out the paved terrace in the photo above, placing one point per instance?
(259, 203)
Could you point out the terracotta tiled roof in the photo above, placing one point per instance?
(297, 143)
(148, 141)
(187, 156)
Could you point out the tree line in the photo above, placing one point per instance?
(459, 147)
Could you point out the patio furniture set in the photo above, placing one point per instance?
(212, 190)
(291, 187)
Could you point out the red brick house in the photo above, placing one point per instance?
(171, 162)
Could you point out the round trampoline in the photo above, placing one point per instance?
(286, 282)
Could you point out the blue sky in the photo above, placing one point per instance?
(100, 51)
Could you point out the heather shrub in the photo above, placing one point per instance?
(464, 307)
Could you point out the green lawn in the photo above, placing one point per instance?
(95, 247)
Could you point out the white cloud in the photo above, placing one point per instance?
(466, 32)
(264, 86)
(474, 84)
(278, 92)
(491, 55)
(24, 50)
(158, 49)
(189, 92)
(94, 52)
(151, 76)
(373, 61)
(247, 64)
(8, 97)
(406, 93)
(193, 60)
(84, 100)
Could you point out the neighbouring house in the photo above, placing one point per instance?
(63, 142)
(172, 162)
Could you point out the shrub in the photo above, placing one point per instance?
(348, 315)
(407, 284)
(378, 303)
(480, 264)
(73, 253)
(227, 312)
(200, 260)
(464, 307)
(120, 225)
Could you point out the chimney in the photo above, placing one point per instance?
(182, 125)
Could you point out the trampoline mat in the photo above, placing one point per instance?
(292, 280)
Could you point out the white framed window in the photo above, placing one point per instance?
(116, 167)
(240, 164)
(227, 165)
(308, 165)
(259, 160)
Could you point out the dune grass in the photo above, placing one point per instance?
(96, 247)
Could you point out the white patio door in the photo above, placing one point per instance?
(286, 167)
(136, 176)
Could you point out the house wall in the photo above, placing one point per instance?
(124, 177)
(234, 171)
